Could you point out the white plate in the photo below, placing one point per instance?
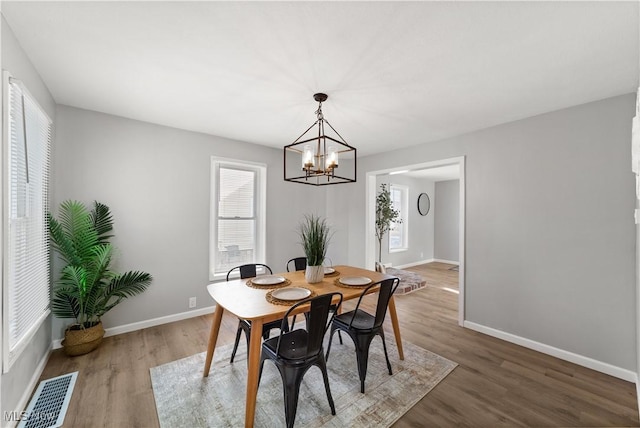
(268, 280)
(355, 280)
(291, 293)
(329, 270)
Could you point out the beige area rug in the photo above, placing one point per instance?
(185, 399)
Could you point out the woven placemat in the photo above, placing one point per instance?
(268, 286)
(339, 284)
(334, 273)
(276, 301)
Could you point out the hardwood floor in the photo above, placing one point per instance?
(496, 383)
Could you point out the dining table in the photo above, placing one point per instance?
(252, 301)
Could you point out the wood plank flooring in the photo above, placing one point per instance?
(497, 384)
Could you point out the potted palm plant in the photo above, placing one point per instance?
(315, 235)
(87, 288)
(386, 215)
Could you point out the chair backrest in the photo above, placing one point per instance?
(318, 320)
(299, 263)
(387, 288)
(248, 270)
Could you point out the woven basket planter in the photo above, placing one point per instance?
(82, 341)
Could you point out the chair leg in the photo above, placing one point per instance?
(362, 343)
(333, 330)
(235, 345)
(386, 355)
(340, 336)
(291, 378)
(323, 368)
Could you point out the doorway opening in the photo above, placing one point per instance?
(423, 176)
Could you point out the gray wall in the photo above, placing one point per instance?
(156, 181)
(550, 237)
(447, 220)
(420, 228)
(16, 380)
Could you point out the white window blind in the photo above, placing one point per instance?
(26, 252)
(398, 232)
(237, 224)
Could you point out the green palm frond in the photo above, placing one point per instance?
(126, 285)
(73, 234)
(102, 221)
(61, 242)
(64, 304)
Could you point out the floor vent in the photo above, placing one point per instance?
(49, 404)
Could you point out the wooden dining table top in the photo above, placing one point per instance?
(251, 303)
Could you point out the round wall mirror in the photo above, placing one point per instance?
(424, 204)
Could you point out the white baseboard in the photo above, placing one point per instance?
(581, 360)
(450, 262)
(33, 382)
(127, 328)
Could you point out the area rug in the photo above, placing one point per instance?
(185, 399)
(409, 281)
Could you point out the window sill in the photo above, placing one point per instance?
(398, 250)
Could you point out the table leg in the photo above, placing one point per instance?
(255, 344)
(396, 326)
(213, 338)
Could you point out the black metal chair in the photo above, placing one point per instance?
(250, 271)
(299, 263)
(294, 352)
(363, 327)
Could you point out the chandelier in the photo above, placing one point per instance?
(317, 157)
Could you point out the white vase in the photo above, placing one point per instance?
(314, 274)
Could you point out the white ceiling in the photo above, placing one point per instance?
(397, 73)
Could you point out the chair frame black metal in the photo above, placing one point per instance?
(299, 263)
(295, 351)
(367, 326)
(250, 271)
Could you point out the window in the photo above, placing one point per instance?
(238, 191)
(398, 234)
(27, 144)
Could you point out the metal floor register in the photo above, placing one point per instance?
(49, 404)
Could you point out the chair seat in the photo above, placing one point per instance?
(296, 345)
(361, 321)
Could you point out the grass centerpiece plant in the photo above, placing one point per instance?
(87, 288)
(315, 234)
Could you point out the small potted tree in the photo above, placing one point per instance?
(315, 235)
(87, 288)
(385, 216)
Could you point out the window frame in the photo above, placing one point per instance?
(260, 199)
(404, 215)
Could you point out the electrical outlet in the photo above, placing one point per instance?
(192, 302)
